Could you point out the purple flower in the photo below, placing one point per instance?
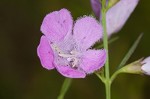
(67, 47)
(146, 66)
(117, 15)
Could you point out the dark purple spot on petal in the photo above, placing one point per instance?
(64, 21)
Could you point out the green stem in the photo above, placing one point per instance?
(64, 88)
(114, 76)
(105, 41)
(108, 89)
(100, 77)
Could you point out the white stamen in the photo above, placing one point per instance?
(75, 62)
(71, 58)
(56, 48)
(66, 55)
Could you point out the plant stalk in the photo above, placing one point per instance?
(105, 41)
(64, 88)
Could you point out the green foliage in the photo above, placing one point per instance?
(131, 51)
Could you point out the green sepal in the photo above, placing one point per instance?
(111, 3)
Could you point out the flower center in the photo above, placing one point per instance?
(70, 57)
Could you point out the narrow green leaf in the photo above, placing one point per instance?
(64, 88)
(131, 51)
(113, 39)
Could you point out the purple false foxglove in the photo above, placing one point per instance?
(117, 15)
(66, 47)
(146, 66)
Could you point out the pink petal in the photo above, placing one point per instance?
(118, 15)
(146, 66)
(45, 53)
(57, 25)
(93, 60)
(70, 72)
(86, 32)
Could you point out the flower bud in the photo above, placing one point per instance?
(96, 6)
(133, 68)
(138, 67)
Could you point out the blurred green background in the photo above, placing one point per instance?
(21, 74)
